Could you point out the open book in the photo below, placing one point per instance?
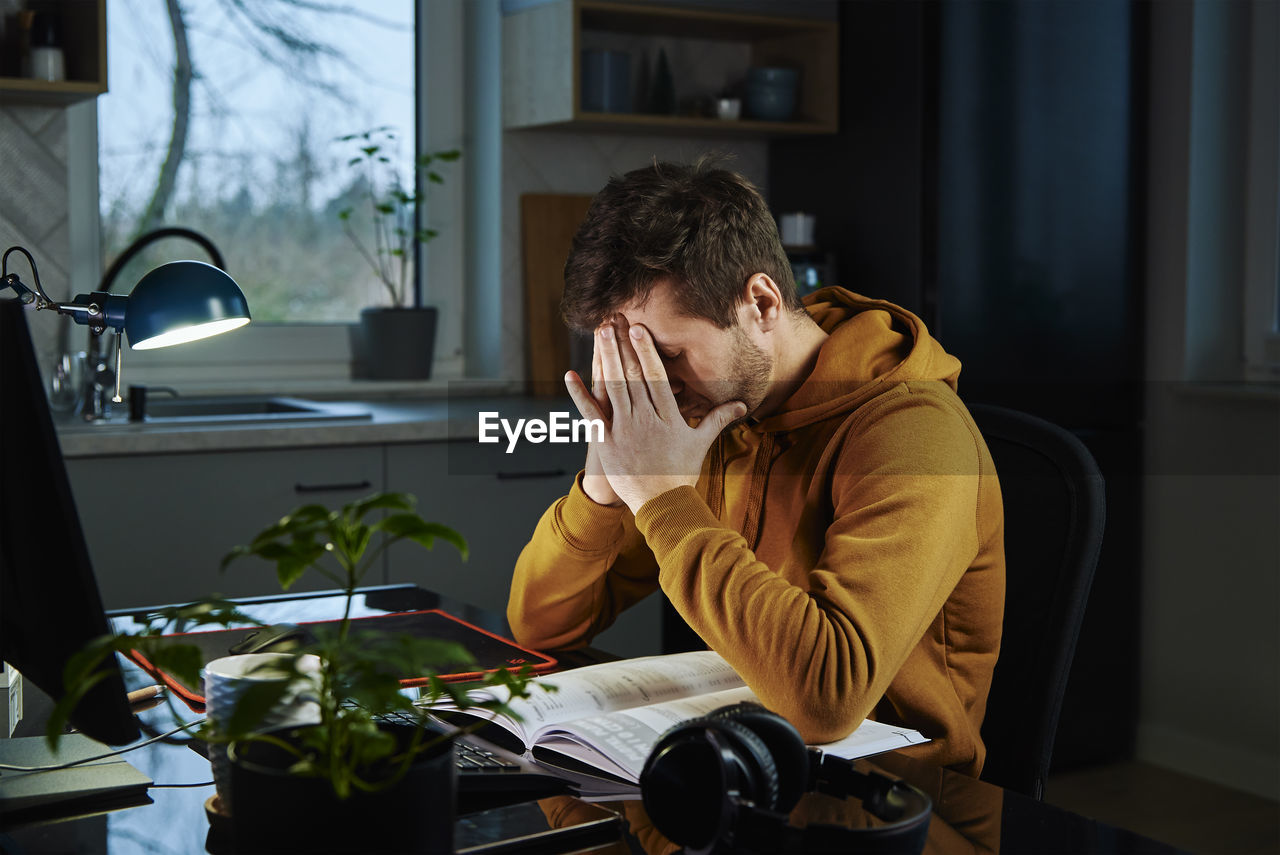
(599, 724)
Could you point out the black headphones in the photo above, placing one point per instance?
(726, 782)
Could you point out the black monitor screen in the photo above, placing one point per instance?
(50, 607)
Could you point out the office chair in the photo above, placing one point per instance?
(1055, 510)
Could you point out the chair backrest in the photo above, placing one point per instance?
(1055, 511)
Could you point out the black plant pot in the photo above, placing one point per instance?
(273, 811)
(394, 344)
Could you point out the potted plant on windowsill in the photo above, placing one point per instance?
(353, 768)
(394, 341)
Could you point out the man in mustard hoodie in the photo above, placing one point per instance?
(800, 479)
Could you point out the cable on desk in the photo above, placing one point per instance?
(118, 751)
(180, 786)
(167, 738)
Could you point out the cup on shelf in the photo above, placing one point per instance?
(728, 108)
(796, 229)
(45, 60)
(771, 93)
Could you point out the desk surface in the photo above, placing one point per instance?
(969, 815)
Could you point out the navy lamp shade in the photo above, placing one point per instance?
(183, 301)
(176, 303)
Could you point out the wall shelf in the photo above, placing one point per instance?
(84, 37)
(543, 46)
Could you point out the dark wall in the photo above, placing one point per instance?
(987, 176)
(867, 184)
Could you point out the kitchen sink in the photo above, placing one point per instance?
(236, 409)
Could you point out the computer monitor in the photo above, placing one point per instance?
(50, 607)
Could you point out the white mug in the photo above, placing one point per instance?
(47, 63)
(226, 679)
(796, 229)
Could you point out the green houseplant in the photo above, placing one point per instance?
(351, 758)
(395, 341)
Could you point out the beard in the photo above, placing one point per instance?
(751, 368)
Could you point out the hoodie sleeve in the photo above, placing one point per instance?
(584, 564)
(904, 497)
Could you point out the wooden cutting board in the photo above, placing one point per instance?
(548, 224)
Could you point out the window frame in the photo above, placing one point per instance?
(314, 356)
(1262, 198)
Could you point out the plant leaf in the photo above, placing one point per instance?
(301, 519)
(413, 527)
(381, 501)
(292, 563)
(253, 706)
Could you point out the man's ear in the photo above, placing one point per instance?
(761, 303)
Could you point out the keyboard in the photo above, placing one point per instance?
(489, 777)
(471, 759)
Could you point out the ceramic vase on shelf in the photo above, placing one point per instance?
(662, 88)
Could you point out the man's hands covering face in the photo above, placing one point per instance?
(648, 447)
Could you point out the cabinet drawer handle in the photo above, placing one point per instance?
(539, 473)
(331, 488)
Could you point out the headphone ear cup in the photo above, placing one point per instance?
(782, 742)
(760, 772)
(688, 777)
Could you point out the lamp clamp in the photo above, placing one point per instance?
(97, 310)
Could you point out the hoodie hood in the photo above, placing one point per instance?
(872, 346)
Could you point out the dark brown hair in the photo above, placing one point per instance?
(704, 227)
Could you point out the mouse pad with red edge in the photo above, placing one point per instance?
(489, 650)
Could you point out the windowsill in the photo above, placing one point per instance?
(1259, 392)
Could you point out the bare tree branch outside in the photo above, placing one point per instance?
(224, 116)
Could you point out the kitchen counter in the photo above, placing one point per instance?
(393, 420)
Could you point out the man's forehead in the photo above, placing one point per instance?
(665, 327)
(658, 309)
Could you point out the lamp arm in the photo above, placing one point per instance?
(27, 295)
(97, 310)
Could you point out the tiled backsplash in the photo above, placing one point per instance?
(34, 208)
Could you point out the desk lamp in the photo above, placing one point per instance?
(175, 303)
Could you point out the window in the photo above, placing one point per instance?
(224, 117)
(264, 174)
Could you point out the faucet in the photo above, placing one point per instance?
(100, 374)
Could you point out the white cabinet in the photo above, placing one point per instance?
(494, 500)
(158, 525)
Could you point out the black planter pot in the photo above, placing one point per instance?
(394, 344)
(272, 811)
